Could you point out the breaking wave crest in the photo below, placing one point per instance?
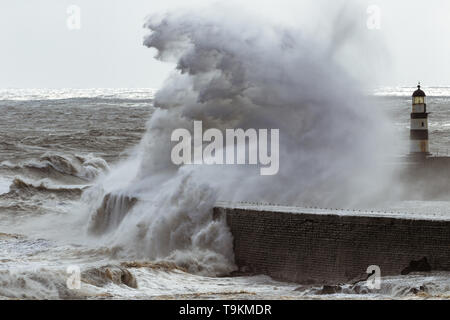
(20, 185)
(86, 168)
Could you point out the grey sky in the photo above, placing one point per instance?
(39, 51)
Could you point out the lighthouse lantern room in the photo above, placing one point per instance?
(419, 124)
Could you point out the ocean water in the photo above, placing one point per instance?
(58, 148)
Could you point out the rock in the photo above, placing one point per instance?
(330, 289)
(104, 275)
(421, 289)
(421, 265)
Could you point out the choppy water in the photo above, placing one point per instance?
(54, 144)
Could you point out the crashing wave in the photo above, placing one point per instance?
(175, 225)
(266, 77)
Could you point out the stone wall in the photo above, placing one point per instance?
(331, 248)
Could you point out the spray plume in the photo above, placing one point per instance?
(236, 70)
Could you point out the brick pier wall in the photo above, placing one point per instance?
(332, 248)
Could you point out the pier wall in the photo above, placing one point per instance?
(332, 248)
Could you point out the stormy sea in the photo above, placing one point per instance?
(59, 147)
(92, 207)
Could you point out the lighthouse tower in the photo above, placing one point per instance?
(419, 125)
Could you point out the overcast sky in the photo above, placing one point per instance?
(38, 50)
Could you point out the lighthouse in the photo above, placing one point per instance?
(419, 124)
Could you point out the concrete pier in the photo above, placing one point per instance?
(307, 245)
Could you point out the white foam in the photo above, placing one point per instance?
(4, 185)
